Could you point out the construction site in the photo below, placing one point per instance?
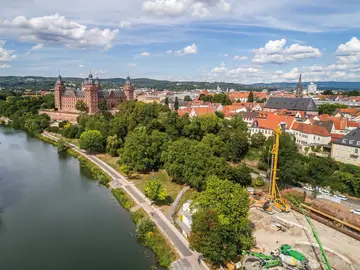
(314, 234)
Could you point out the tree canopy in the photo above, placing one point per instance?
(91, 140)
(221, 228)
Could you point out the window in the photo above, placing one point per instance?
(351, 142)
(344, 140)
(318, 138)
(358, 143)
(356, 151)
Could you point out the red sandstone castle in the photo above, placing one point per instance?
(91, 94)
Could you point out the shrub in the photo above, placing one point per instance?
(144, 227)
(123, 198)
(62, 147)
(259, 181)
(291, 195)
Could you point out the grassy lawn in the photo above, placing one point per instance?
(172, 188)
(73, 141)
(140, 179)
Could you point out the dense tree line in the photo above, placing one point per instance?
(330, 109)
(23, 111)
(217, 98)
(295, 168)
(150, 136)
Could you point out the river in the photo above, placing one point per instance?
(55, 217)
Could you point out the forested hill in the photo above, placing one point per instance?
(320, 85)
(40, 83)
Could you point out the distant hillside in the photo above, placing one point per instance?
(320, 85)
(39, 83)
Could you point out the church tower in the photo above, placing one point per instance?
(129, 89)
(299, 91)
(91, 94)
(58, 92)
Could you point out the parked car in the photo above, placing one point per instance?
(324, 192)
(355, 211)
(341, 197)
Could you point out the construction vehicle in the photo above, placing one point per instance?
(274, 198)
(257, 260)
(284, 256)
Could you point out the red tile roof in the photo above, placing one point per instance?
(311, 129)
(335, 137)
(271, 121)
(181, 112)
(203, 111)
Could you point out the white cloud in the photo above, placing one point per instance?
(175, 8)
(226, 55)
(222, 64)
(58, 29)
(276, 52)
(125, 24)
(99, 72)
(145, 54)
(5, 66)
(244, 70)
(240, 58)
(6, 55)
(169, 52)
(164, 7)
(199, 10)
(81, 66)
(349, 52)
(191, 49)
(131, 65)
(37, 46)
(219, 69)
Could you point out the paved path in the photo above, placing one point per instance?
(176, 202)
(187, 256)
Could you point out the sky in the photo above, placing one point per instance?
(241, 41)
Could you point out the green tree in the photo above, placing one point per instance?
(103, 105)
(142, 152)
(187, 98)
(112, 145)
(221, 228)
(81, 106)
(221, 98)
(240, 174)
(91, 140)
(62, 146)
(176, 104)
(328, 93)
(250, 97)
(155, 190)
(190, 162)
(166, 101)
(258, 140)
(327, 108)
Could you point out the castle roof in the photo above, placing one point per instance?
(128, 81)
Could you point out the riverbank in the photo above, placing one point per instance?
(163, 250)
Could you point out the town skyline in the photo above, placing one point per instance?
(183, 40)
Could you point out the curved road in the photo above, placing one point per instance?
(188, 258)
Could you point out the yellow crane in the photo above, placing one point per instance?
(274, 197)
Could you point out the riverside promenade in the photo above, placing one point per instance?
(188, 258)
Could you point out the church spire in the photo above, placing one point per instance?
(299, 91)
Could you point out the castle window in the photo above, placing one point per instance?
(351, 142)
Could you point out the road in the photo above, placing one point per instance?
(188, 258)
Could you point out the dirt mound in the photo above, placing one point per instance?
(336, 210)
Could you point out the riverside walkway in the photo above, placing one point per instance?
(188, 258)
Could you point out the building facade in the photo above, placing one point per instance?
(92, 94)
(347, 149)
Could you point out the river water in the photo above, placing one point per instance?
(55, 217)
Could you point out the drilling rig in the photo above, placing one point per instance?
(274, 198)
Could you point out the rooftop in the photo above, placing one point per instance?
(351, 139)
(295, 104)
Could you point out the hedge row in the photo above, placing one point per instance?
(123, 198)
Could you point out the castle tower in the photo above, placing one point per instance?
(91, 94)
(59, 89)
(299, 91)
(129, 89)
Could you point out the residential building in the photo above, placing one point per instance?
(249, 117)
(347, 149)
(267, 122)
(185, 218)
(308, 135)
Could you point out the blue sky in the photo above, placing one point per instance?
(243, 41)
